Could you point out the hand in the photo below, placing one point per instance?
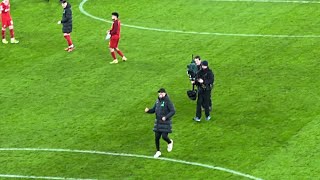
(200, 80)
(146, 110)
(164, 118)
(192, 82)
(59, 22)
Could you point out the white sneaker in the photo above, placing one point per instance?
(158, 154)
(14, 41)
(4, 41)
(197, 119)
(170, 146)
(124, 59)
(114, 61)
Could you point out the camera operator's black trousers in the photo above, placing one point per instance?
(164, 137)
(204, 98)
(210, 103)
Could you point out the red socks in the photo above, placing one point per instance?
(120, 53)
(113, 54)
(3, 34)
(68, 38)
(12, 33)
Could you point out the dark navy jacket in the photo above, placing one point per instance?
(163, 108)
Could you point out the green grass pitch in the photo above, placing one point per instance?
(266, 99)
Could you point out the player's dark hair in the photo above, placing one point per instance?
(63, 1)
(115, 14)
(197, 57)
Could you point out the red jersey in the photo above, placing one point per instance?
(115, 29)
(5, 11)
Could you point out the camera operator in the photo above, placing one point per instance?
(192, 71)
(197, 61)
(193, 68)
(204, 81)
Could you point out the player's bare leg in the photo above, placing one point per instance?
(3, 32)
(121, 54)
(13, 40)
(113, 54)
(70, 44)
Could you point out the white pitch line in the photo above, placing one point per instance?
(136, 156)
(269, 1)
(83, 11)
(38, 177)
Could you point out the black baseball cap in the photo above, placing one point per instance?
(115, 14)
(162, 90)
(204, 63)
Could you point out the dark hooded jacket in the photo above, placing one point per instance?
(208, 78)
(67, 19)
(163, 108)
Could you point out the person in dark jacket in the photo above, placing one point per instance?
(67, 24)
(204, 81)
(196, 62)
(164, 111)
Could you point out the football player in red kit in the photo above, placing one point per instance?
(114, 32)
(7, 22)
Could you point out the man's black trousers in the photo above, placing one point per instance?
(164, 137)
(203, 100)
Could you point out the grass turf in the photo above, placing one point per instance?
(266, 99)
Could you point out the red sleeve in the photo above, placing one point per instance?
(114, 29)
